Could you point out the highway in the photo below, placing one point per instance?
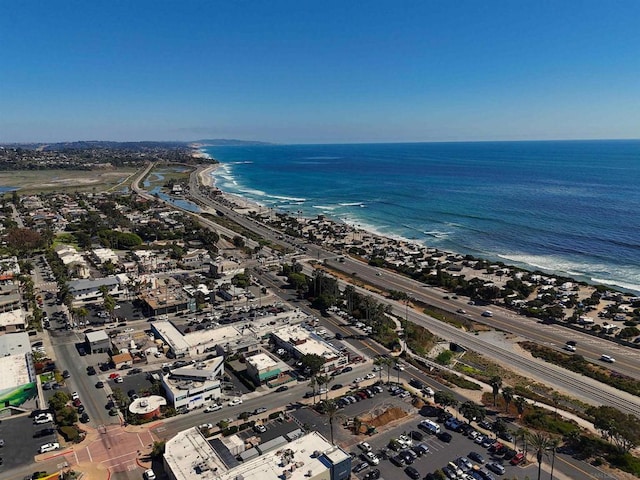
(576, 385)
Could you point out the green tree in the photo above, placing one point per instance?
(540, 443)
(521, 403)
(496, 384)
(472, 411)
(313, 362)
(157, 450)
(330, 410)
(507, 396)
(445, 399)
(623, 430)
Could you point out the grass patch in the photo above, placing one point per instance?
(44, 181)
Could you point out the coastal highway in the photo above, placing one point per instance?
(576, 385)
(555, 336)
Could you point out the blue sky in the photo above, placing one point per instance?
(319, 72)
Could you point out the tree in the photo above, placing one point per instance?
(496, 384)
(620, 428)
(445, 399)
(507, 395)
(520, 403)
(313, 362)
(157, 450)
(238, 241)
(330, 409)
(380, 362)
(540, 442)
(472, 411)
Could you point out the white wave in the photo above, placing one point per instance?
(290, 199)
(437, 234)
(322, 158)
(616, 283)
(252, 191)
(353, 204)
(241, 162)
(324, 207)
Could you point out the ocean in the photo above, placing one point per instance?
(564, 207)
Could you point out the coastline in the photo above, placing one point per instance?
(368, 238)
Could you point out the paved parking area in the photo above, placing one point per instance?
(20, 444)
(440, 453)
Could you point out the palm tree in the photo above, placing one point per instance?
(507, 395)
(554, 446)
(380, 362)
(331, 412)
(313, 382)
(540, 443)
(522, 433)
(520, 403)
(496, 384)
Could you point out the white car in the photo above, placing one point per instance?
(607, 358)
(370, 375)
(205, 426)
(358, 380)
(118, 380)
(570, 348)
(235, 401)
(75, 396)
(213, 407)
(49, 447)
(365, 447)
(43, 418)
(372, 458)
(149, 475)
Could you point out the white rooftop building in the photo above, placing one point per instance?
(194, 385)
(299, 342)
(188, 455)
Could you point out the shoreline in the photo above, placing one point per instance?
(360, 228)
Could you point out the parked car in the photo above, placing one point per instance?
(259, 428)
(517, 459)
(49, 447)
(372, 474)
(495, 467)
(412, 472)
(212, 407)
(283, 388)
(259, 410)
(365, 447)
(100, 385)
(445, 437)
(360, 467)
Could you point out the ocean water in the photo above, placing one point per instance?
(568, 207)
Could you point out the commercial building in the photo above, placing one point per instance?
(188, 455)
(262, 368)
(18, 379)
(300, 342)
(89, 290)
(194, 385)
(97, 342)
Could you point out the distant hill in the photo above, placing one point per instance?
(144, 145)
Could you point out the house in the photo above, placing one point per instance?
(122, 359)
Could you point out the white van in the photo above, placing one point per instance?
(49, 447)
(430, 426)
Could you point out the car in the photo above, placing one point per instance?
(119, 380)
(347, 369)
(45, 432)
(80, 408)
(125, 366)
(421, 447)
(517, 459)
(398, 461)
(259, 410)
(281, 389)
(358, 380)
(84, 418)
(149, 475)
(487, 313)
(449, 473)
(365, 447)
(415, 435)
(445, 437)
(404, 441)
(66, 374)
(259, 428)
(569, 348)
(370, 376)
(607, 358)
(205, 426)
(412, 473)
(372, 458)
(49, 447)
(360, 467)
(464, 463)
(337, 386)
(212, 407)
(43, 418)
(133, 371)
(100, 385)
(495, 467)
(461, 310)
(77, 402)
(91, 371)
(235, 401)
(131, 392)
(75, 396)
(372, 474)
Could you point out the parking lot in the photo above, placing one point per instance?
(20, 441)
(439, 454)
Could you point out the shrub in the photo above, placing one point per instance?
(626, 462)
(230, 431)
(274, 415)
(70, 433)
